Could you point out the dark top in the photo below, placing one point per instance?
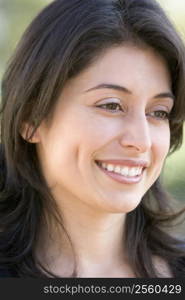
(7, 273)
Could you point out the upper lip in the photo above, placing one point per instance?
(126, 162)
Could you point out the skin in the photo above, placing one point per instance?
(93, 206)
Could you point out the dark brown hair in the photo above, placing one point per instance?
(65, 38)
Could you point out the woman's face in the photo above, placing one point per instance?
(109, 135)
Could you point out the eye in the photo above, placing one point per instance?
(160, 114)
(111, 106)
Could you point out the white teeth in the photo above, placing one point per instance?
(139, 170)
(132, 172)
(125, 171)
(110, 167)
(117, 169)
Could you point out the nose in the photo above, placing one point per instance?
(136, 134)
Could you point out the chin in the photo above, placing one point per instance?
(124, 205)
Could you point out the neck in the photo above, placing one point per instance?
(96, 243)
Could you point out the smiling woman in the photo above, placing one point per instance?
(92, 103)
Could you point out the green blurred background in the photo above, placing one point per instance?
(15, 15)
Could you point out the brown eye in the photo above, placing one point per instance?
(112, 106)
(160, 114)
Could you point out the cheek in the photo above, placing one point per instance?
(93, 134)
(161, 145)
(102, 131)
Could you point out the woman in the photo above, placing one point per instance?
(92, 103)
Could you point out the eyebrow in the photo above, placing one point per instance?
(125, 90)
(165, 95)
(109, 86)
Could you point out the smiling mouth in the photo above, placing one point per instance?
(122, 173)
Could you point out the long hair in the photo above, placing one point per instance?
(64, 39)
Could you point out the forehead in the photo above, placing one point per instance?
(126, 65)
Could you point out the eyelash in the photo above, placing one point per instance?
(165, 114)
(114, 107)
(106, 105)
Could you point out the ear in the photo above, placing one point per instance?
(28, 135)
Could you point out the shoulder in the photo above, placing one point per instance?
(174, 269)
(162, 268)
(178, 267)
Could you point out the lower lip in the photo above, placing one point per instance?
(121, 178)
